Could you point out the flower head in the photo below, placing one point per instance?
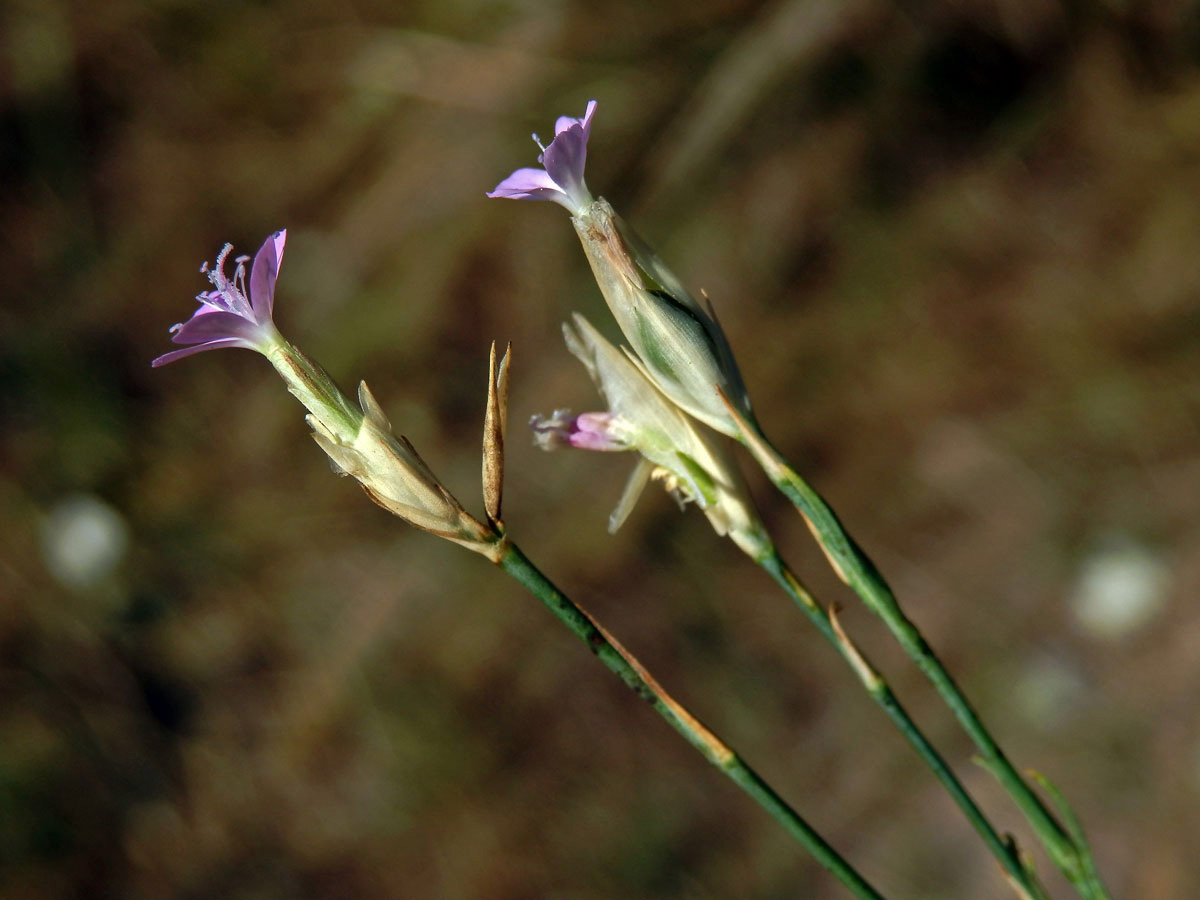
(357, 439)
(691, 464)
(561, 179)
(229, 314)
(682, 346)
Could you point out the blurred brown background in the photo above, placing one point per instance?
(955, 245)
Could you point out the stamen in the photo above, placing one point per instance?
(676, 488)
(239, 276)
(217, 275)
(230, 295)
(225, 251)
(537, 140)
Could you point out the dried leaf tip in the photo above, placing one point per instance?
(494, 424)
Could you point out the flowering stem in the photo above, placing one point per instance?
(854, 568)
(1023, 879)
(629, 670)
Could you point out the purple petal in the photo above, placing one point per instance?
(263, 272)
(527, 184)
(587, 431)
(199, 348)
(565, 122)
(210, 324)
(565, 159)
(596, 431)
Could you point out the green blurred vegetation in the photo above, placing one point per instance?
(956, 247)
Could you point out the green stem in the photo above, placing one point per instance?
(1004, 851)
(629, 670)
(854, 568)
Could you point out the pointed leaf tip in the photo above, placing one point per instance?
(371, 408)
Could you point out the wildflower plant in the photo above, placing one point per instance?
(672, 400)
(679, 345)
(361, 444)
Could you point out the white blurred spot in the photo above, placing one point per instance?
(83, 540)
(1049, 690)
(1119, 589)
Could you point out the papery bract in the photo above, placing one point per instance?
(561, 180)
(678, 340)
(691, 464)
(229, 314)
(396, 477)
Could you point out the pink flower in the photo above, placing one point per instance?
(586, 431)
(561, 179)
(229, 316)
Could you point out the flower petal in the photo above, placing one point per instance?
(565, 122)
(566, 157)
(263, 272)
(597, 431)
(199, 348)
(528, 184)
(564, 160)
(210, 324)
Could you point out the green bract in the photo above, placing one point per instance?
(679, 341)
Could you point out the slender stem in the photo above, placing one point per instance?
(629, 670)
(1024, 880)
(854, 568)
